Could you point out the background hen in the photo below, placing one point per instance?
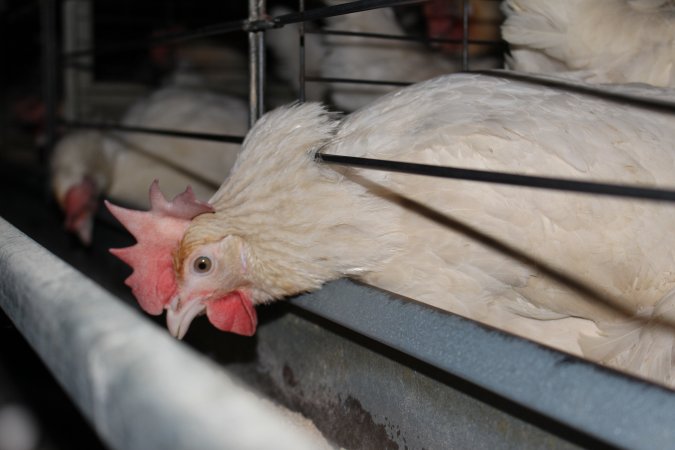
(87, 164)
(375, 59)
(400, 61)
(549, 266)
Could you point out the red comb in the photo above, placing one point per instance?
(158, 233)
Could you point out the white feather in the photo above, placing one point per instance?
(605, 41)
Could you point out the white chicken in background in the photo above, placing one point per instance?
(589, 275)
(603, 41)
(388, 60)
(209, 65)
(89, 164)
(204, 64)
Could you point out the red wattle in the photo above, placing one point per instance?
(233, 313)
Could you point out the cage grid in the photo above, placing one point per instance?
(603, 405)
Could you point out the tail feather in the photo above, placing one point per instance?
(644, 346)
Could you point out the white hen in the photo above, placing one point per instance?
(381, 60)
(86, 164)
(546, 265)
(606, 41)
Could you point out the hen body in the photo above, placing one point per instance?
(604, 41)
(287, 224)
(202, 164)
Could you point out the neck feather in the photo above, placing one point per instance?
(302, 223)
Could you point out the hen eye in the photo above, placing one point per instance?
(202, 264)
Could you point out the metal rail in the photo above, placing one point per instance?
(357, 81)
(486, 176)
(158, 131)
(606, 405)
(395, 37)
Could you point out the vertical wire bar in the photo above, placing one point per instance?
(77, 19)
(256, 45)
(465, 35)
(69, 45)
(301, 68)
(49, 73)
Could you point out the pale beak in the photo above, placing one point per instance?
(179, 316)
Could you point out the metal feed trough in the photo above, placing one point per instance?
(370, 369)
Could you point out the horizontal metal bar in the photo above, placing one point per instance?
(611, 407)
(137, 386)
(559, 184)
(175, 37)
(609, 92)
(162, 132)
(356, 81)
(406, 38)
(339, 10)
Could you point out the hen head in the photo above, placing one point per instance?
(79, 173)
(189, 283)
(79, 206)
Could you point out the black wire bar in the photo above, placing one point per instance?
(340, 10)
(655, 104)
(161, 132)
(602, 91)
(356, 81)
(559, 184)
(244, 25)
(398, 37)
